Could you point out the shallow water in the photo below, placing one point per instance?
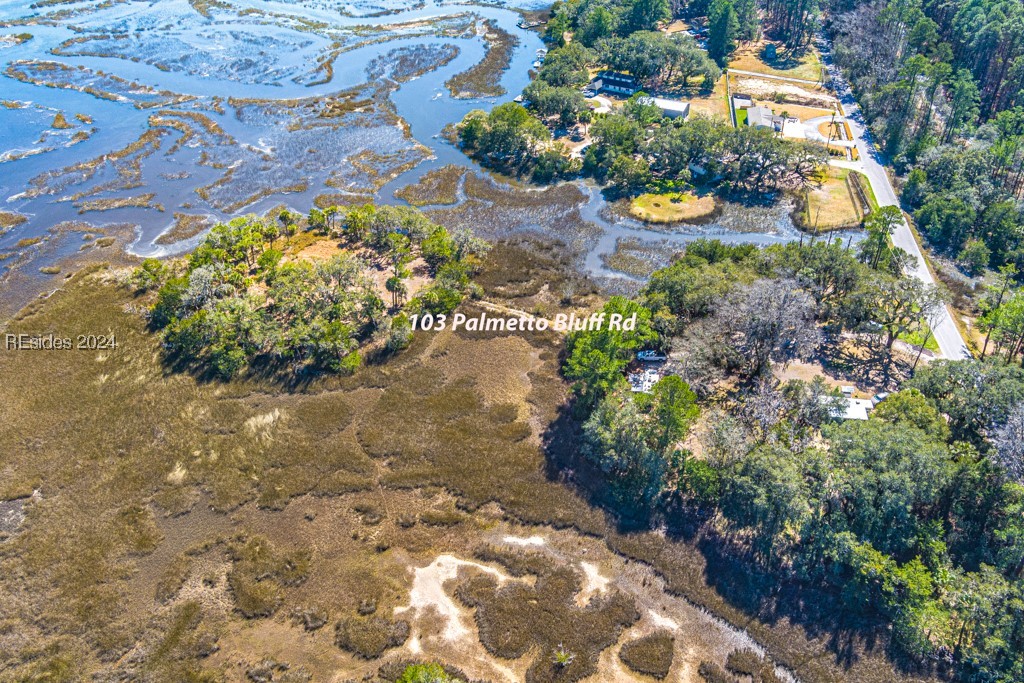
(197, 109)
(147, 57)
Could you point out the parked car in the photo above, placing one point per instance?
(650, 356)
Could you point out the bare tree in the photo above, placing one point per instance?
(771, 320)
(1009, 443)
(763, 408)
(726, 440)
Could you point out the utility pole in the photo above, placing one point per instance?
(920, 349)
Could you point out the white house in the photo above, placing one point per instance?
(854, 409)
(614, 82)
(763, 117)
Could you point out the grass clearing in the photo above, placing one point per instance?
(714, 104)
(673, 207)
(837, 203)
(802, 63)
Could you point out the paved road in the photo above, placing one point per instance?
(872, 164)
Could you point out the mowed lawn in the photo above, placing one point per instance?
(804, 63)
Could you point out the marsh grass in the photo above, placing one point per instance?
(483, 78)
(517, 617)
(369, 637)
(185, 226)
(652, 654)
(713, 673)
(9, 219)
(266, 481)
(439, 186)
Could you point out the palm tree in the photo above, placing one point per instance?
(562, 657)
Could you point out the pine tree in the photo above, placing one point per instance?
(723, 26)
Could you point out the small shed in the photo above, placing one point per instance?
(742, 100)
(673, 109)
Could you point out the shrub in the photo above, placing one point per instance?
(370, 637)
(426, 673)
(310, 618)
(974, 257)
(744, 661)
(713, 673)
(651, 655)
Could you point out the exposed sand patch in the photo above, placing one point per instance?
(431, 602)
(594, 583)
(660, 621)
(766, 89)
(428, 591)
(521, 541)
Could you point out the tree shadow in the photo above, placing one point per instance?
(731, 570)
(863, 362)
(786, 58)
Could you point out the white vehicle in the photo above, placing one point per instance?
(650, 356)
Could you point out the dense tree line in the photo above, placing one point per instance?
(791, 21)
(636, 149)
(941, 85)
(914, 515)
(658, 59)
(238, 301)
(590, 21)
(631, 156)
